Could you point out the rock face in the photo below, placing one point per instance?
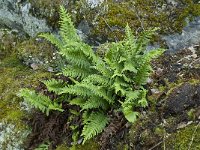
(189, 36)
(15, 15)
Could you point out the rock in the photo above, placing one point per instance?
(15, 15)
(94, 3)
(181, 98)
(189, 36)
(34, 66)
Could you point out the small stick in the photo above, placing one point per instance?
(193, 135)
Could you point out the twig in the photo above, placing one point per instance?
(156, 145)
(193, 135)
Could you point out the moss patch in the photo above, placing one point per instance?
(184, 138)
(13, 76)
(110, 19)
(39, 53)
(90, 145)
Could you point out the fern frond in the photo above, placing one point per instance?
(98, 91)
(76, 59)
(96, 79)
(76, 72)
(102, 68)
(144, 39)
(76, 90)
(130, 101)
(54, 85)
(95, 102)
(67, 29)
(130, 115)
(129, 35)
(93, 125)
(143, 101)
(142, 74)
(53, 39)
(77, 101)
(39, 101)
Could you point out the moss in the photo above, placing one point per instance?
(89, 145)
(8, 42)
(49, 10)
(160, 131)
(142, 14)
(62, 147)
(13, 76)
(38, 52)
(182, 139)
(191, 114)
(122, 146)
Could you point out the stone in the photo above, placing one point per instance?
(15, 15)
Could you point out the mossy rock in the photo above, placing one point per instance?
(39, 54)
(109, 20)
(49, 10)
(14, 76)
(186, 138)
(8, 42)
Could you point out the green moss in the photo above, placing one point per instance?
(62, 147)
(8, 41)
(89, 145)
(182, 139)
(122, 146)
(142, 14)
(13, 76)
(191, 114)
(41, 53)
(47, 9)
(160, 131)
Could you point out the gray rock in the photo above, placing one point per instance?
(94, 3)
(189, 36)
(15, 15)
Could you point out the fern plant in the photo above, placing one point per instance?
(40, 101)
(99, 84)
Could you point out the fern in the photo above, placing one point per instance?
(54, 85)
(93, 124)
(67, 29)
(39, 101)
(99, 84)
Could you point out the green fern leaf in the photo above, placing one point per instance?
(77, 101)
(39, 101)
(93, 125)
(54, 85)
(130, 115)
(67, 29)
(95, 102)
(53, 39)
